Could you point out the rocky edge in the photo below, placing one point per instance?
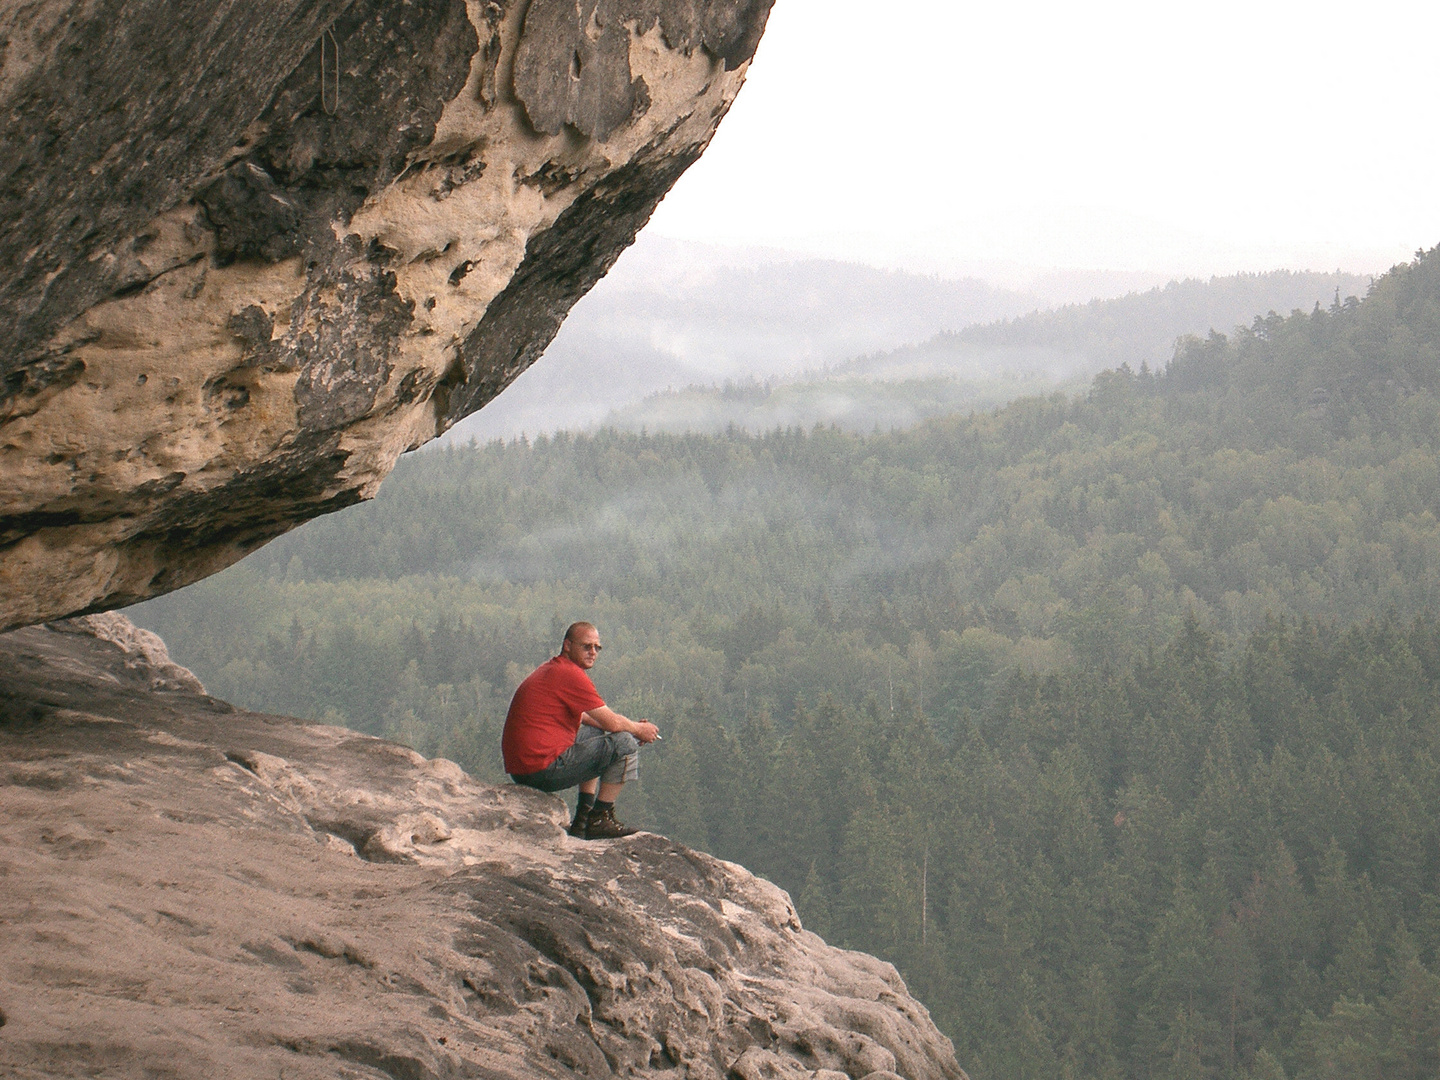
(194, 890)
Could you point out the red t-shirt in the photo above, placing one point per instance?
(545, 715)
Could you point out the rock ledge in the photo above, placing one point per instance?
(194, 890)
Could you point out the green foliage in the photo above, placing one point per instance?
(1090, 909)
(1112, 721)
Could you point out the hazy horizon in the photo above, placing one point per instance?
(943, 167)
(674, 318)
(1114, 136)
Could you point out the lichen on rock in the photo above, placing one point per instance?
(229, 304)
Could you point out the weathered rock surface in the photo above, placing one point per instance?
(194, 891)
(252, 252)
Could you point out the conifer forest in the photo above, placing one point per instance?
(1111, 718)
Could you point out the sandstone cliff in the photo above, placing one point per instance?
(252, 252)
(195, 891)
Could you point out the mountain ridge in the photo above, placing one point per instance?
(986, 365)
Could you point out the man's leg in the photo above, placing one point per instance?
(586, 802)
(585, 799)
(597, 759)
(584, 806)
(626, 766)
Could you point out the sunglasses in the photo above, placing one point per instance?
(596, 646)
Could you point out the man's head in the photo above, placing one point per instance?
(581, 644)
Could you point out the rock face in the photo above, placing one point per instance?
(195, 891)
(252, 252)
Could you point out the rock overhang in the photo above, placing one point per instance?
(232, 301)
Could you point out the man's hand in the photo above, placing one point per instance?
(607, 719)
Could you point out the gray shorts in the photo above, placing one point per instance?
(611, 756)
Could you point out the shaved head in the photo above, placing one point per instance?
(576, 627)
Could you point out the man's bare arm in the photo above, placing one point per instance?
(607, 719)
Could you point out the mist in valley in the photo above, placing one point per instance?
(684, 336)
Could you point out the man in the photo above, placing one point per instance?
(559, 733)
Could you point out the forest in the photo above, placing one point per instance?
(1110, 718)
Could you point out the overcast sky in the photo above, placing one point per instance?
(1177, 137)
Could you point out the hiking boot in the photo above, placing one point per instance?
(577, 827)
(603, 826)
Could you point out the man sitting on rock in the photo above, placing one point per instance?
(559, 733)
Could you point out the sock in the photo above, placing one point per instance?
(603, 807)
(584, 803)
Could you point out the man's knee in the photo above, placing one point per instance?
(625, 744)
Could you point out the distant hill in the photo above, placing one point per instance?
(674, 315)
(987, 365)
(1142, 327)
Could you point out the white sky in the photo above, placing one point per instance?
(1178, 137)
